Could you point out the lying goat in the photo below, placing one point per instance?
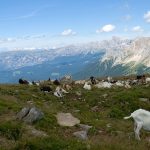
(59, 92)
(141, 120)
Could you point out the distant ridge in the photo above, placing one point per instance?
(113, 57)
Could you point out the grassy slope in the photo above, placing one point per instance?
(119, 103)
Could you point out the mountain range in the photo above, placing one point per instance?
(113, 57)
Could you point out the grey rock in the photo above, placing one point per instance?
(77, 110)
(108, 125)
(78, 93)
(144, 99)
(95, 109)
(30, 102)
(33, 115)
(23, 113)
(105, 95)
(37, 133)
(81, 135)
(85, 127)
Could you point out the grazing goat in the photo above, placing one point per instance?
(35, 83)
(109, 79)
(93, 80)
(141, 78)
(141, 120)
(21, 81)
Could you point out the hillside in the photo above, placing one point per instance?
(103, 109)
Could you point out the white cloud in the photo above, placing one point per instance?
(106, 28)
(147, 17)
(29, 37)
(137, 29)
(68, 32)
(7, 40)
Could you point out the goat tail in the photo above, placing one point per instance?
(127, 117)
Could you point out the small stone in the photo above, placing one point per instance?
(100, 131)
(105, 95)
(85, 127)
(34, 96)
(144, 99)
(38, 133)
(77, 111)
(81, 135)
(32, 131)
(30, 102)
(78, 93)
(108, 125)
(95, 109)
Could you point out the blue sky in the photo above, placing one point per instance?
(54, 23)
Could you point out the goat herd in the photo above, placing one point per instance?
(141, 117)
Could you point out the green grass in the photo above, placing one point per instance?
(11, 130)
(120, 102)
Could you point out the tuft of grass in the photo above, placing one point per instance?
(53, 143)
(11, 130)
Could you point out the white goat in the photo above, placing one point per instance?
(119, 83)
(103, 85)
(147, 80)
(59, 91)
(127, 86)
(80, 82)
(141, 120)
(87, 86)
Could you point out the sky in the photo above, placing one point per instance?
(56, 23)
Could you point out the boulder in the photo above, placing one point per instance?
(30, 115)
(24, 111)
(66, 119)
(33, 115)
